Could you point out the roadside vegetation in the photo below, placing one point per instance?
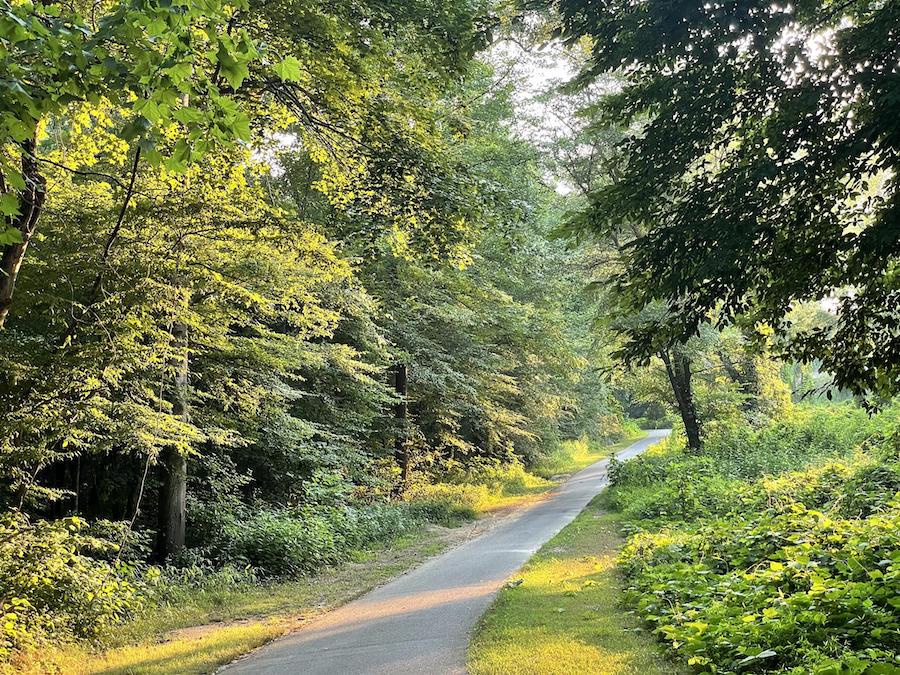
(776, 549)
(284, 284)
(194, 618)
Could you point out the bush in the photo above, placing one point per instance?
(777, 550)
(809, 434)
(382, 523)
(648, 423)
(463, 493)
(52, 583)
(795, 590)
(501, 479)
(284, 542)
(447, 504)
(571, 455)
(614, 428)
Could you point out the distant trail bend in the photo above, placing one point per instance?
(421, 622)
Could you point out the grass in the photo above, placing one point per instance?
(208, 628)
(575, 455)
(512, 486)
(564, 616)
(488, 489)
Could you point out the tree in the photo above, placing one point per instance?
(762, 165)
(192, 337)
(108, 114)
(166, 62)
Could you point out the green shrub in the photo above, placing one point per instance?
(613, 428)
(179, 584)
(870, 489)
(284, 542)
(127, 543)
(794, 590)
(382, 523)
(53, 584)
(493, 478)
(776, 550)
(447, 504)
(572, 455)
(808, 434)
(664, 422)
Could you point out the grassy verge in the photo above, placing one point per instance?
(575, 455)
(564, 616)
(210, 627)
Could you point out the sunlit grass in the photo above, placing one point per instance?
(200, 653)
(512, 486)
(488, 489)
(565, 616)
(518, 485)
(574, 455)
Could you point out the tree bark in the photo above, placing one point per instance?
(401, 446)
(678, 368)
(173, 464)
(31, 204)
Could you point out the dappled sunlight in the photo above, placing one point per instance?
(198, 655)
(195, 655)
(371, 611)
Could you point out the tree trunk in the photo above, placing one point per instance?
(678, 368)
(173, 464)
(401, 446)
(31, 203)
(747, 378)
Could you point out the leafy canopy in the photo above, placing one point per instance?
(763, 168)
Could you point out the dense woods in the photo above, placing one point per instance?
(284, 281)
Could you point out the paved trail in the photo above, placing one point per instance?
(421, 622)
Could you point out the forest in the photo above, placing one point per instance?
(292, 293)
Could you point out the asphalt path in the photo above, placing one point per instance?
(421, 622)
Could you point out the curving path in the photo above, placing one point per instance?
(421, 622)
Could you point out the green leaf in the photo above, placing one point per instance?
(233, 68)
(10, 235)
(241, 128)
(181, 71)
(9, 204)
(149, 109)
(765, 654)
(289, 70)
(181, 156)
(188, 115)
(135, 128)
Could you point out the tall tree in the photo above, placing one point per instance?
(763, 165)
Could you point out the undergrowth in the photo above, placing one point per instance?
(775, 550)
